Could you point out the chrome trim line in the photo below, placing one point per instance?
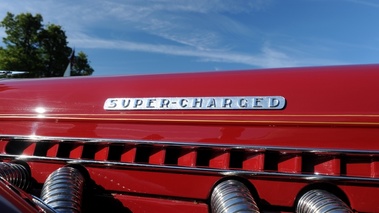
(210, 171)
(195, 169)
(252, 148)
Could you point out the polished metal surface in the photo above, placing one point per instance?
(190, 169)
(320, 201)
(232, 196)
(183, 169)
(45, 208)
(16, 174)
(105, 141)
(196, 103)
(63, 190)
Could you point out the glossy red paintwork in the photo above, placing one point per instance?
(12, 201)
(317, 98)
(327, 107)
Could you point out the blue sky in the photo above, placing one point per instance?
(161, 36)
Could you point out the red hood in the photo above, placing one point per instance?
(343, 90)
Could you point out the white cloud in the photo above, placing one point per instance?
(265, 57)
(194, 28)
(186, 22)
(169, 19)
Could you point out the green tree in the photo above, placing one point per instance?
(81, 65)
(54, 50)
(40, 50)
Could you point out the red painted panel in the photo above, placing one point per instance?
(157, 157)
(129, 154)
(102, 153)
(309, 91)
(290, 163)
(254, 162)
(328, 165)
(327, 108)
(187, 158)
(361, 198)
(360, 167)
(52, 151)
(30, 149)
(220, 160)
(154, 183)
(144, 204)
(76, 152)
(13, 202)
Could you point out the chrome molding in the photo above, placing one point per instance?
(209, 171)
(191, 145)
(267, 174)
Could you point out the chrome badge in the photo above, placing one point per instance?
(197, 103)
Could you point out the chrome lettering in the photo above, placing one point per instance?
(211, 103)
(183, 103)
(150, 102)
(165, 102)
(257, 102)
(242, 103)
(125, 103)
(197, 103)
(137, 103)
(112, 103)
(227, 103)
(273, 102)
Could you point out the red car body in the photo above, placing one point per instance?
(155, 159)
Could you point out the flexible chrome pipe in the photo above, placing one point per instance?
(320, 201)
(232, 196)
(63, 190)
(16, 174)
(42, 206)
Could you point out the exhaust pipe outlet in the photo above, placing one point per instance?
(232, 196)
(320, 201)
(16, 174)
(63, 190)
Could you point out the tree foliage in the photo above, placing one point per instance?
(40, 50)
(81, 65)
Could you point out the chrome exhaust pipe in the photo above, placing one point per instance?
(320, 201)
(63, 190)
(16, 174)
(232, 196)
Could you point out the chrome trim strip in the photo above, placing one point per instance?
(189, 169)
(252, 148)
(209, 171)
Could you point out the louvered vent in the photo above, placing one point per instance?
(195, 156)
